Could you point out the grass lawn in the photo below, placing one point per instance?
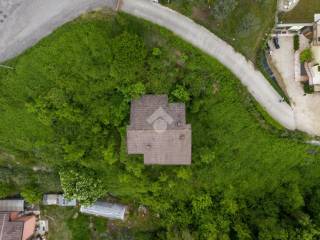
(247, 178)
(244, 28)
(302, 13)
(67, 223)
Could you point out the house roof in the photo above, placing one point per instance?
(29, 225)
(158, 130)
(107, 210)
(14, 227)
(14, 205)
(10, 230)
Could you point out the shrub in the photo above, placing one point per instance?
(31, 194)
(181, 93)
(306, 55)
(156, 52)
(296, 42)
(308, 88)
(82, 184)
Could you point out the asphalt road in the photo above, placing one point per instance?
(30, 20)
(25, 22)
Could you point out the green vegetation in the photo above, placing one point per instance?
(308, 89)
(4, 189)
(302, 13)
(81, 183)
(306, 55)
(31, 194)
(296, 42)
(72, 92)
(67, 223)
(242, 23)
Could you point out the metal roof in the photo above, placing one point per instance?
(105, 209)
(58, 199)
(15, 205)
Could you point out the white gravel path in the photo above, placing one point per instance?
(33, 19)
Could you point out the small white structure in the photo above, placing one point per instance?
(13, 205)
(58, 199)
(107, 210)
(42, 227)
(296, 28)
(316, 75)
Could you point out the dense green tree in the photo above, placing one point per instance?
(128, 56)
(32, 194)
(5, 189)
(81, 184)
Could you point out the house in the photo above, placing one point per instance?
(16, 227)
(308, 71)
(107, 210)
(158, 130)
(58, 199)
(14, 224)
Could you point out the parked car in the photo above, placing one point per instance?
(276, 42)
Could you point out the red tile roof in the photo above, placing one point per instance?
(15, 227)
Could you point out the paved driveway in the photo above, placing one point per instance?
(30, 20)
(306, 107)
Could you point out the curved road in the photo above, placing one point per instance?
(31, 20)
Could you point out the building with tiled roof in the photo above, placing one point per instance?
(158, 130)
(16, 227)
